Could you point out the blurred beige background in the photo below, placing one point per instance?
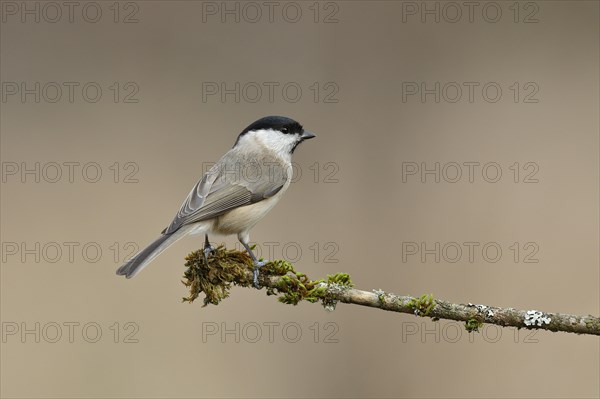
(350, 204)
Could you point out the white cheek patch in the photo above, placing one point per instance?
(274, 140)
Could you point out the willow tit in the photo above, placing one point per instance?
(236, 192)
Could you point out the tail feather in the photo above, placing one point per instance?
(148, 254)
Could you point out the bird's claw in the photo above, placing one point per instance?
(208, 250)
(257, 265)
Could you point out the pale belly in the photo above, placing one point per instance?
(244, 218)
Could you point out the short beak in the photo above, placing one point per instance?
(307, 135)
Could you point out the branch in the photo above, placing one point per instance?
(227, 267)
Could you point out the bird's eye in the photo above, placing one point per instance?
(284, 130)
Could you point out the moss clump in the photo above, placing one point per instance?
(472, 325)
(422, 305)
(293, 286)
(227, 267)
(214, 278)
(341, 279)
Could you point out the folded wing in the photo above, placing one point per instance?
(222, 189)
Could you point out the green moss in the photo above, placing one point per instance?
(214, 279)
(380, 295)
(227, 267)
(472, 325)
(294, 287)
(593, 323)
(342, 279)
(422, 305)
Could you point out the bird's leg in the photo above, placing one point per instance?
(257, 263)
(208, 249)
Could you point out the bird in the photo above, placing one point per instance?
(235, 193)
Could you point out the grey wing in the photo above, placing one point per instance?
(220, 191)
(193, 202)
